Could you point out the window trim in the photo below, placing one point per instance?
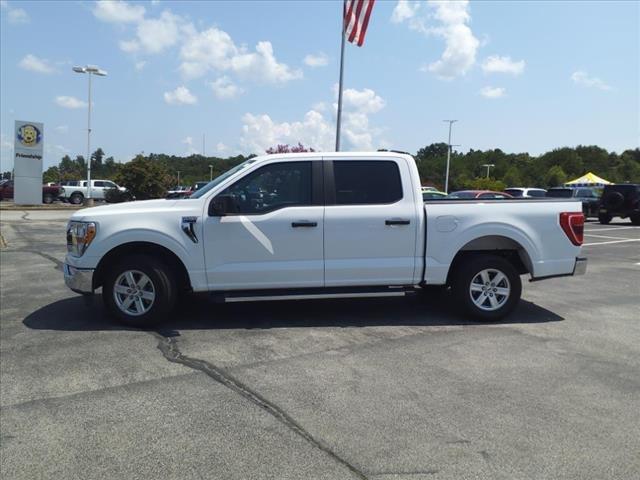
(330, 183)
(316, 187)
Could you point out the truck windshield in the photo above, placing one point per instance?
(221, 178)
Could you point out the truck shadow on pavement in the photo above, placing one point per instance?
(200, 313)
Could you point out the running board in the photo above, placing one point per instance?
(310, 294)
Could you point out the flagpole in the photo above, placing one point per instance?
(339, 118)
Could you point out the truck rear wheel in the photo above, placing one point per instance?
(47, 198)
(139, 291)
(487, 287)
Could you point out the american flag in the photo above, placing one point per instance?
(356, 19)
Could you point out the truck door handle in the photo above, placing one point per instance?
(304, 224)
(397, 222)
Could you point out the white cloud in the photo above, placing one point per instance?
(497, 64)
(117, 11)
(315, 130)
(224, 88)
(34, 64)
(140, 65)
(156, 35)
(493, 92)
(221, 147)
(362, 101)
(191, 150)
(214, 49)
(452, 19)
(461, 45)
(582, 78)
(14, 15)
(316, 60)
(62, 129)
(404, 10)
(180, 96)
(69, 102)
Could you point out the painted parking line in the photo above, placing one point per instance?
(612, 241)
(605, 236)
(602, 229)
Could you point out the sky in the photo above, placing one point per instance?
(247, 75)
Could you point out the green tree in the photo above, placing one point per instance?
(144, 178)
(512, 178)
(555, 176)
(51, 174)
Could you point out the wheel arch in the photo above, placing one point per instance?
(499, 245)
(144, 248)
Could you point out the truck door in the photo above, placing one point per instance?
(370, 222)
(274, 239)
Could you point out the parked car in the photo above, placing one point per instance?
(589, 198)
(49, 193)
(620, 200)
(77, 191)
(521, 192)
(177, 192)
(433, 195)
(190, 190)
(479, 194)
(326, 225)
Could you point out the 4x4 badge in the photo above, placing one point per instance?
(187, 227)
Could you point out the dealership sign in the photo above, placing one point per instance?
(28, 151)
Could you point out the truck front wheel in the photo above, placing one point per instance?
(487, 287)
(76, 198)
(139, 291)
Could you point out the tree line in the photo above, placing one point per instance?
(149, 176)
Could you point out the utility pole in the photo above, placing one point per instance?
(210, 172)
(488, 166)
(446, 180)
(90, 70)
(178, 177)
(203, 145)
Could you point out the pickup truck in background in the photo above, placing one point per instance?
(49, 192)
(318, 225)
(75, 192)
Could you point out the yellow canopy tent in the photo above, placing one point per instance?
(588, 180)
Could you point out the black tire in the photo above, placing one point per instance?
(635, 218)
(604, 218)
(163, 285)
(76, 198)
(471, 267)
(47, 198)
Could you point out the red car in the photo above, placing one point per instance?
(480, 194)
(49, 194)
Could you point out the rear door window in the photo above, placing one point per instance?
(362, 182)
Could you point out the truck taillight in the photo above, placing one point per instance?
(572, 224)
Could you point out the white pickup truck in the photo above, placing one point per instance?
(75, 191)
(318, 225)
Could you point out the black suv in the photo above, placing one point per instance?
(621, 200)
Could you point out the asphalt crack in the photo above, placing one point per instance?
(169, 348)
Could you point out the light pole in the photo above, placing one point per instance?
(89, 70)
(178, 177)
(488, 166)
(446, 179)
(210, 172)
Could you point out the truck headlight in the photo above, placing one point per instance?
(79, 237)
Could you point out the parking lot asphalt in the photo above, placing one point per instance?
(377, 388)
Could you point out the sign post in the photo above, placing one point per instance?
(27, 163)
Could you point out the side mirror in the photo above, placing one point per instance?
(222, 205)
